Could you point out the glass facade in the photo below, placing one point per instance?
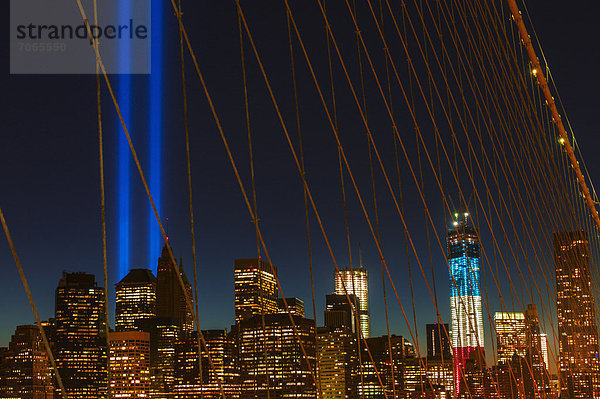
(465, 298)
(578, 343)
(136, 299)
(80, 335)
(356, 282)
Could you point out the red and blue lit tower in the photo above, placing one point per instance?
(465, 299)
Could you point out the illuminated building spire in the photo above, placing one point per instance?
(465, 299)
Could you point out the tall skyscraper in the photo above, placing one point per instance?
(80, 335)
(164, 334)
(338, 362)
(511, 335)
(170, 298)
(190, 382)
(255, 288)
(25, 369)
(465, 298)
(129, 353)
(578, 335)
(536, 349)
(271, 361)
(136, 299)
(366, 379)
(356, 282)
(438, 344)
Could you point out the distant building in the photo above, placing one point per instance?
(356, 281)
(465, 297)
(24, 366)
(170, 298)
(193, 382)
(511, 335)
(338, 311)
(438, 343)
(537, 351)
(295, 306)
(387, 365)
(577, 330)
(337, 354)
(255, 288)
(136, 299)
(129, 353)
(164, 334)
(270, 358)
(80, 347)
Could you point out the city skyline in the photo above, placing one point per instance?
(415, 159)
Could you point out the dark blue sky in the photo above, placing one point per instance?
(49, 166)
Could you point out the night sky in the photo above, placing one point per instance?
(49, 174)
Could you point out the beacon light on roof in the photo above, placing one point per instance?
(456, 215)
(455, 223)
(466, 215)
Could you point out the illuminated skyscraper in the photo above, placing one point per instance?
(536, 350)
(255, 288)
(190, 382)
(544, 347)
(511, 335)
(164, 334)
(377, 357)
(336, 348)
(25, 368)
(271, 361)
(136, 299)
(170, 298)
(356, 282)
(465, 298)
(129, 353)
(80, 335)
(578, 335)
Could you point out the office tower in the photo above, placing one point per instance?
(428, 378)
(338, 311)
(271, 361)
(511, 335)
(336, 350)
(164, 334)
(255, 288)
(136, 299)
(170, 298)
(578, 336)
(129, 353)
(535, 345)
(80, 347)
(465, 299)
(438, 344)
(368, 384)
(544, 348)
(295, 305)
(25, 369)
(514, 380)
(191, 382)
(356, 281)
(476, 380)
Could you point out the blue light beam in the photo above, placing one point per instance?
(156, 125)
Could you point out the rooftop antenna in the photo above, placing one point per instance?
(360, 255)
(167, 229)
